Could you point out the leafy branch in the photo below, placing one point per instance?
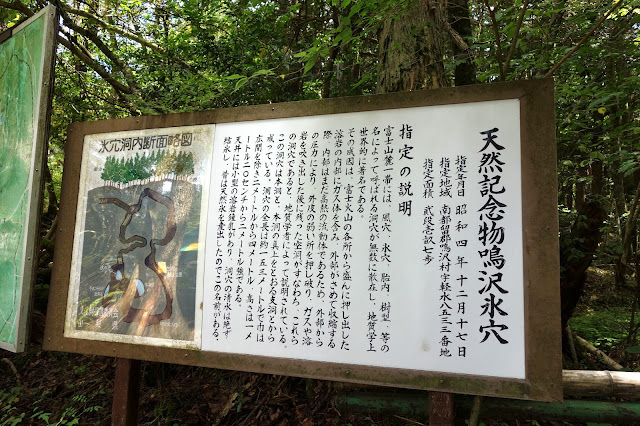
(131, 36)
(584, 39)
(503, 67)
(17, 6)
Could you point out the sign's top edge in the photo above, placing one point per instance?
(45, 10)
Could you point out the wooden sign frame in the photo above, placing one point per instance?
(542, 338)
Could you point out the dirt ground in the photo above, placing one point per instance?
(52, 388)
(41, 387)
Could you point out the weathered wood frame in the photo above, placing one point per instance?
(540, 239)
(36, 183)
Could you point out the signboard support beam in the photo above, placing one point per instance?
(441, 409)
(126, 393)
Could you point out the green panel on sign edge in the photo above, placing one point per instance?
(20, 71)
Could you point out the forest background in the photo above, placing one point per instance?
(119, 58)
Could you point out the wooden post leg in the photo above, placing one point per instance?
(441, 409)
(126, 392)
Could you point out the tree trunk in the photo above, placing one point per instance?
(465, 72)
(412, 49)
(568, 196)
(576, 255)
(411, 56)
(52, 207)
(580, 188)
(611, 363)
(597, 175)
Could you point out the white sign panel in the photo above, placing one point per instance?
(387, 238)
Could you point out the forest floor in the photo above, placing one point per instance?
(41, 387)
(602, 318)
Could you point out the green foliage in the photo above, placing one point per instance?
(8, 411)
(629, 163)
(11, 414)
(633, 349)
(596, 88)
(604, 328)
(157, 164)
(175, 56)
(8, 18)
(216, 53)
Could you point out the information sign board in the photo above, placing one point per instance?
(386, 239)
(26, 61)
(135, 262)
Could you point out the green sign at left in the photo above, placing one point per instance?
(26, 59)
